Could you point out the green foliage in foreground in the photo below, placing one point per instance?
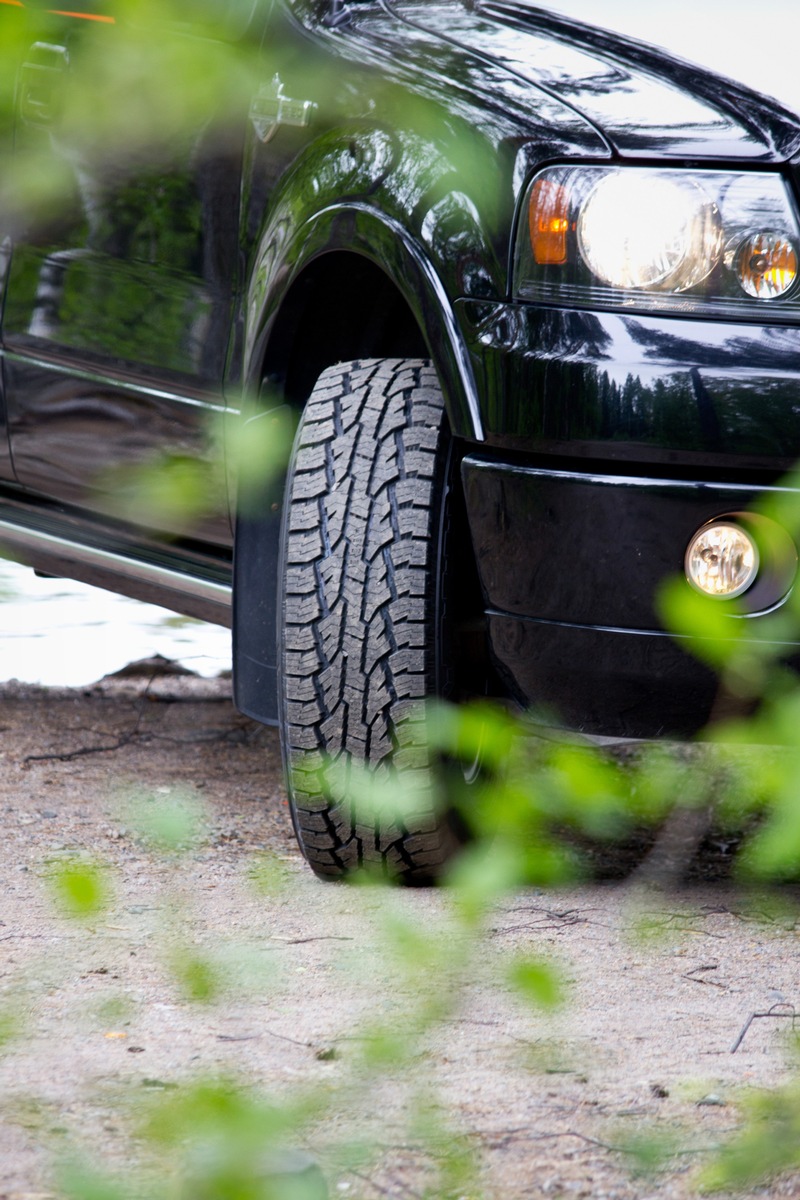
(80, 887)
(536, 816)
(538, 811)
(768, 1144)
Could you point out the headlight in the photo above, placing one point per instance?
(652, 239)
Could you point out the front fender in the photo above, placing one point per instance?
(357, 227)
(430, 226)
(361, 229)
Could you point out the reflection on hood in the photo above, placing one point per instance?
(755, 45)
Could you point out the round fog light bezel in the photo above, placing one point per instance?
(751, 574)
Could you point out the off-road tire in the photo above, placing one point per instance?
(361, 622)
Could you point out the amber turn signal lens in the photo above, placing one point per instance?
(548, 215)
(766, 265)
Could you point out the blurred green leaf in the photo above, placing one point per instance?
(12, 1024)
(482, 874)
(537, 981)
(772, 852)
(81, 888)
(767, 1144)
(259, 450)
(269, 874)
(231, 1144)
(207, 1106)
(707, 623)
(197, 976)
(384, 1047)
(650, 1150)
(591, 792)
(475, 733)
(79, 1181)
(169, 493)
(169, 819)
(225, 970)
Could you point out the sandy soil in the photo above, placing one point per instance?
(545, 1100)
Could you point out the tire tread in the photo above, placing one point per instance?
(360, 550)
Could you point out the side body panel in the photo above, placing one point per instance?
(119, 297)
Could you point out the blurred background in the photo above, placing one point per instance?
(60, 633)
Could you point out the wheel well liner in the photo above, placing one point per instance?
(343, 307)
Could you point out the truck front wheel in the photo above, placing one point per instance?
(362, 625)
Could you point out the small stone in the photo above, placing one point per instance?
(712, 1100)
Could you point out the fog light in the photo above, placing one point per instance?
(722, 560)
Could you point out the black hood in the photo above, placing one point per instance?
(754, 47)
(645, 99)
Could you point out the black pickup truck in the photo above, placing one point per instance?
(523, 278)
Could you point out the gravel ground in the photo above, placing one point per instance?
(544, 1100)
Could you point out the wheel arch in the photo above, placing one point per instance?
(322, 274)
(330, 256)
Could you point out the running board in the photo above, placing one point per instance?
(155, 575)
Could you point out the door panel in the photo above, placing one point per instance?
(9, 64)
(119, 299)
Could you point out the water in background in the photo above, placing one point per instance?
(57, 632)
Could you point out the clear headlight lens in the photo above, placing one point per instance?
(660, 239)
(648, 232)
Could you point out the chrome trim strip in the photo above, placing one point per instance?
(109, 381)
(501, 614)
(26, 538)
(628, 481)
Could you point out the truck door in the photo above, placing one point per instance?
(121, 286)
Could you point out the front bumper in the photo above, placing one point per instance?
(610, 441)
(571, 565)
